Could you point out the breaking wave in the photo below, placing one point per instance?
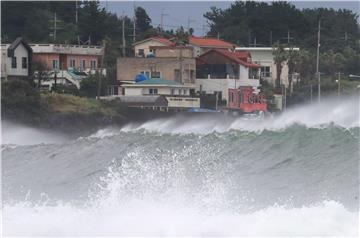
(294, 175)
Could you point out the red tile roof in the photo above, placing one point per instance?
(212, 42)
(157, 38)
(163, 40)
(234, 56)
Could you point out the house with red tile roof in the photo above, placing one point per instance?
(219, 70)
(142, 48)
(201, 44)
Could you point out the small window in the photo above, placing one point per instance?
(141, 52)
(82, 64)
(93, 64)
(172, 92)
(185, 92)
(55, 64)
(155, 74)
(153, 91)
(13, 63)
(179, 91)
(72, 63)
(24, 62)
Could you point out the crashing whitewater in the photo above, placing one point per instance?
(296, 174)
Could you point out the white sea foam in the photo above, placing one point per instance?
(343, 113)
(140, 218)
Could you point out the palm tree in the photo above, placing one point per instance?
(280, 57)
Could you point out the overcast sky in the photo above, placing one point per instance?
(177, 13)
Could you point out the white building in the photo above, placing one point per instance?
(16, 60)
(217, 71)
(177, 95)
(264, 57)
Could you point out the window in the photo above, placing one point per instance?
(72, 63)
(24, 62)
(155, 74)
(55, 64)
(172, 91)
(13, 63)
(265, 71)
(177, 75)
(82, 64)
(185, 91)
(179, 91)
(146, 73)
(153, 91)
(141, 52)
(93, 64)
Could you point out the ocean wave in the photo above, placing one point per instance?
(343, 113)
(141, 218)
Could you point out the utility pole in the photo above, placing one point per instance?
(288, 37)
(189, 22)
(55, 27)
(317, 62)
(123, 37)
(338, 81)
(77, 22)
(181, 66)
(134, 25)
(311, 93)
(271, 38)
(162, 20)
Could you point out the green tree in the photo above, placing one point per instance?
(143, 22)
(280, 58)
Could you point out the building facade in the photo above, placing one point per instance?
(264, 57)
(64, 57)
(16, 60)
(220, 70)
(142, 48)
(201, 45)
(181, 70)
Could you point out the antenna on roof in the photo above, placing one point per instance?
(55, 27)
(162, 19)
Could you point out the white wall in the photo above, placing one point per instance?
(266, 58)
(19, 52)
(141, 91)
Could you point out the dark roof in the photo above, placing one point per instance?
(15, 44)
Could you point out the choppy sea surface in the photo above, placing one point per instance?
(296, 174)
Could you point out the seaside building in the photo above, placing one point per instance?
(157, 94)
(143, 48)
(219, 70)
(167, 62)
(264, 57)
(68, 63)
(201, 45)
(16, 60)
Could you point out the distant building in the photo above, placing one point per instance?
(264, 57)
(147, 93)
(142, 48)
(172, 51)
(219, 70)
(168, 66)
(68, 63)
(202, 45)
(16, 60)
(64, 57)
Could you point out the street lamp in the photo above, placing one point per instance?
(338, 82)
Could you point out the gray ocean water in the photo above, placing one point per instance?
(295, 174)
